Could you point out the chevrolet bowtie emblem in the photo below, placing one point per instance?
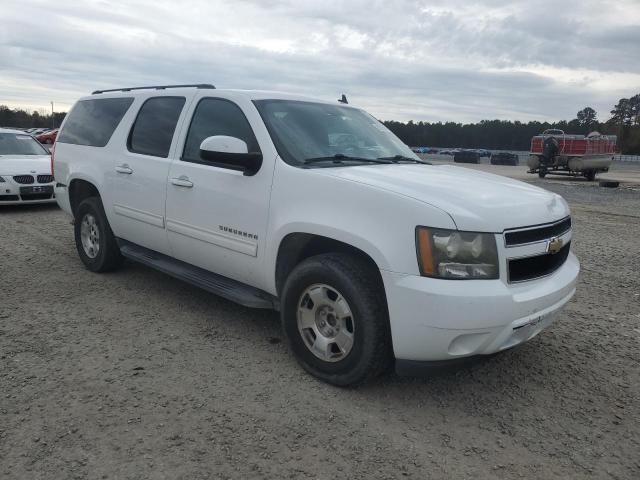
(554, 245)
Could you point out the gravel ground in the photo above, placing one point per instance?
(135, 375)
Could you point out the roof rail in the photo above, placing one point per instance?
(157, 87)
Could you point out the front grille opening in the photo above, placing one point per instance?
(537, 234)
(9, 198)
(36, 196)
(529, 268)
(45, 178)
(24, 179)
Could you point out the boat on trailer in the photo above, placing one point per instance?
(557, 153)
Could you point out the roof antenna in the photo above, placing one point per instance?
(343, 99)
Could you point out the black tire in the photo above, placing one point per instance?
(590, 175)
(609, 183)
(542, 173)
(371, 353)
(108, 256)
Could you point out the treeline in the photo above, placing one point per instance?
(20, 118)
(490, 134)
(507, 135)
(502, 134)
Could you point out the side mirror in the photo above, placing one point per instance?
(230, 152)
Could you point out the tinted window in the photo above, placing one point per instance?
(92, 122)
(19, 144)
(152, 131)
(214, 116)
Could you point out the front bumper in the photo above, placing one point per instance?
(12, 193)
(436, 320)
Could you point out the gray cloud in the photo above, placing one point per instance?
(399, 59)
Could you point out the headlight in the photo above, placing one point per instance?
(456, 255)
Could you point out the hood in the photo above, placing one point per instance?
(24, 165)
(476, 201)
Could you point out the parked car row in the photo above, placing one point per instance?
(48, 137)
(424, 150)
(43, 135)
(452, 151)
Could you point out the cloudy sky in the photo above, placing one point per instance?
(459, 60)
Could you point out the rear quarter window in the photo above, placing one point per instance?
(92, 122)
(153, 129)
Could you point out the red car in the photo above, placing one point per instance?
(48, 137)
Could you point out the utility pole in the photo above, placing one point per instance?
(53, 120)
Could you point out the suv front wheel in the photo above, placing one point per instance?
(335, 319)
(95, 242)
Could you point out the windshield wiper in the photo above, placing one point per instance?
(403, 158)
(340, 158)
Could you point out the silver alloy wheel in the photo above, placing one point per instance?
(325, 322)
(90, 235)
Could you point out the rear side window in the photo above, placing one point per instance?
(215, 116)
(153, 129)
(92, 122)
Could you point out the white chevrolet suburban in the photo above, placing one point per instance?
(373, 257)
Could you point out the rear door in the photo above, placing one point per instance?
(216, 217)
(140, 172)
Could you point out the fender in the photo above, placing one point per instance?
(319, 230)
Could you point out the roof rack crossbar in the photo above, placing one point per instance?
(157, 87)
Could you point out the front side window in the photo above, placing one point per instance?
(308, 131)
(20, 144)
(215, 116)
(155, 125)
(92, 122)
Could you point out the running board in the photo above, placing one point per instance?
(222, 286)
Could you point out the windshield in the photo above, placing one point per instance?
(307, 131)
(20, 144)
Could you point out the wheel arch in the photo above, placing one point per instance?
(79, 190)
(295, 247)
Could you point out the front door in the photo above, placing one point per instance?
(216, 218)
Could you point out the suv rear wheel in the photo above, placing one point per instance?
(335, 319)
(95, 241)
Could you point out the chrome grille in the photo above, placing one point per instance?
(523, 236)
(538, 266)
(532, 252)
(45, 178)
(24, 179)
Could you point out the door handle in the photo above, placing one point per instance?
(182, 181)
(124, 168)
